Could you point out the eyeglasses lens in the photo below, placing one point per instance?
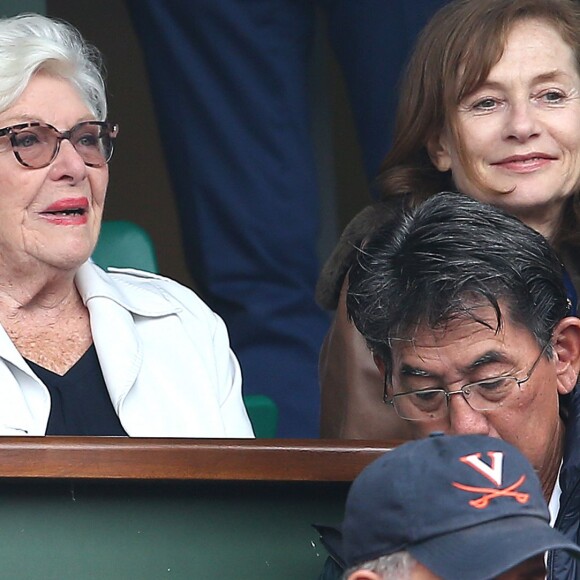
(37, 146)
(433, 403)
(430, 404)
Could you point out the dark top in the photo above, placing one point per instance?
(80, 402)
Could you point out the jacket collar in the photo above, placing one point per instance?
(124, 287)
(113, 299)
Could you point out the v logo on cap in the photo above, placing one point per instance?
(493, 473)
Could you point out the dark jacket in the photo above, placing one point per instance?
(561, 566)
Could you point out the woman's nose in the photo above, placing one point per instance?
(68, 162)
(521, 123)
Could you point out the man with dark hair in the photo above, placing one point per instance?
(466, 313)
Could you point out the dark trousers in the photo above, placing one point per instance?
(229, 80)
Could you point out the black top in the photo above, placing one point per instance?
(80, 402)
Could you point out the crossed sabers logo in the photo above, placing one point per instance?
(494, 473)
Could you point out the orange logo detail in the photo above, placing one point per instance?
(490, 493)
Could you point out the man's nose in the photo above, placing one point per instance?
(463, 420)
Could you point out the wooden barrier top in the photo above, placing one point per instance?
(321, 460)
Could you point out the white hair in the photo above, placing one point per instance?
(397, 566)
(31, 43)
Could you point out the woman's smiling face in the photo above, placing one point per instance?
(520, 130)
(50, 215)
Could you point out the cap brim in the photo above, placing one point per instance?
(489, 549)
(331, 538)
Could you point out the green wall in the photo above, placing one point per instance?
(11, 7)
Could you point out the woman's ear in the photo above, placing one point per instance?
(566, 343)
(440, 152)
(364, 575)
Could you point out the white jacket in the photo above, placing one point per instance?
(164, 354)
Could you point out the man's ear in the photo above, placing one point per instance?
(440, 153)
(566, 342)
(364, 575)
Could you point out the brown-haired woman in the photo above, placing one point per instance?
(489, 106)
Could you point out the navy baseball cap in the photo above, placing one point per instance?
(467, 507)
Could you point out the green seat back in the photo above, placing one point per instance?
(263, 413)
(124, 244)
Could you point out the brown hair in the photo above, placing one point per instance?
(453, 56)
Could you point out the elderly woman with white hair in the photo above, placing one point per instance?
(83, 351)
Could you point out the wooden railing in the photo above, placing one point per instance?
(186, 459)
(118, 508)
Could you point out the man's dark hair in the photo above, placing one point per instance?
(443, 260)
